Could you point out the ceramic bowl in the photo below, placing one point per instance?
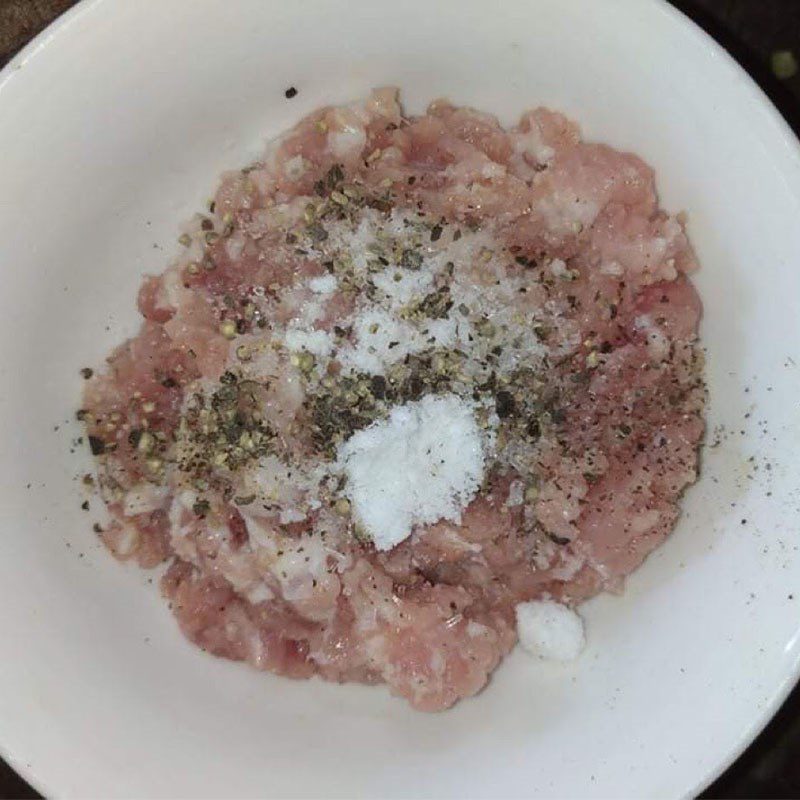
(114, 126)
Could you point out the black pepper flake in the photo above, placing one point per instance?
(317, 232)
(436, 305)
(290, 93)
(97, 445)
(334, 176)
(436, 233)
(169, 383)
(414, 387)
(541, 333)
(85, 505)
(581, 378)
(411, 259)
(87, 373)
(201, 508)
(384, 206)
(96, 528)
(504, 404)
(378, 386)
(489, 384)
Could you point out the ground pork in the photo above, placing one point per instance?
(369, 260)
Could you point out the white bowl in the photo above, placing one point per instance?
(113, 128)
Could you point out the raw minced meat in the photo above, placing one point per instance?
(407, 373)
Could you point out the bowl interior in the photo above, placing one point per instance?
(113, 129)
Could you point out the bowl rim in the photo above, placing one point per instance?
(792, 140)
(756, 95)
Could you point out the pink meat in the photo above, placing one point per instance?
(434, 616)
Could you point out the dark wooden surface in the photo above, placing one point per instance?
(751, 30)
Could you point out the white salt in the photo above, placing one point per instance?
(400, 285)
(323, 284)
(550, 630)
(319, 343)
(422, 464)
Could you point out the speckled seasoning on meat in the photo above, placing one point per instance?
(406, 374)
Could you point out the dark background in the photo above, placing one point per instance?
(751, 30)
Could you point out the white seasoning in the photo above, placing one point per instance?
(319, 343)
(324, 284)
(424, 463)
(380, 339)
(400, 284)
(549, 630)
